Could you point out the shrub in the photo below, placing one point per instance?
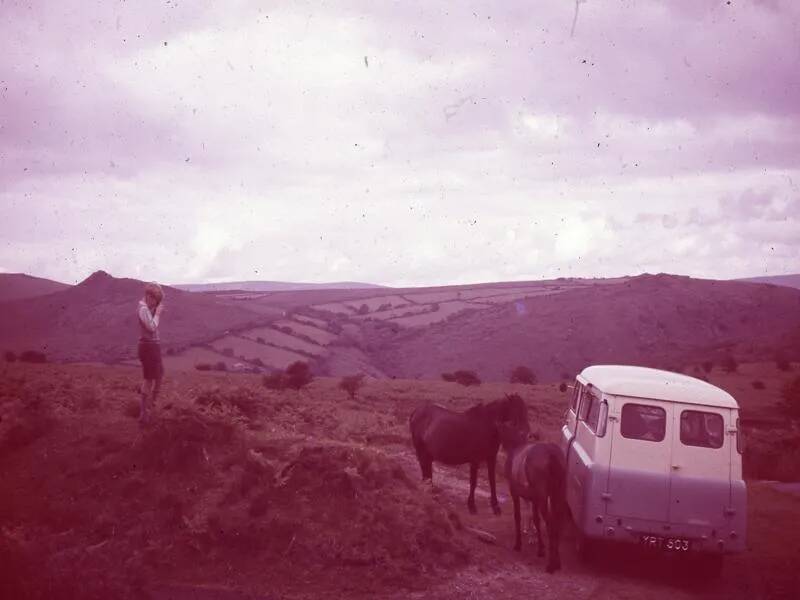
(791, 396)
(10, 356)
(782, 363)
(257, 361)
(363, 309)
(448, 377)
(227, 352)
(729, 364)
(757, 384)
(32, 356)
(467, 378)
(524, 375)
(351, 384)
(298, 375)
(260, 340)
(562, 387)
(220, 366)
(386, 306)
(203, 367)
(275, 381)
(707, 366)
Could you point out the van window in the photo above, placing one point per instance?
(576, 395)
(642, 422)
(703, 429)
(593, 418)
(586, 401)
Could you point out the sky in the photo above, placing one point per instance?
(399, 143)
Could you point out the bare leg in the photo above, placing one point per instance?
(491, 463)
(145, 391)
(156, 390)
(473, 481)
(517, 519)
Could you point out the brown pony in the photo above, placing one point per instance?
(535, 471)
(452, 438)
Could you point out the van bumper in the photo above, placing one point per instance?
(726, 538)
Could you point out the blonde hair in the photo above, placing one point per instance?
(154, 290)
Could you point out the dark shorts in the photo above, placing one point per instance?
(150, 357)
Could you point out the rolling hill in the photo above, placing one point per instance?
(555, 327)
(96, 320)
(271, 286)
(18, 286)
(785, 280)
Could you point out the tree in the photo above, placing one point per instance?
(351, 384)
(466, 377)
(298, 375)
(522, 374)
(707, 366)
(562, 387)
(363, 309)
(203, 367)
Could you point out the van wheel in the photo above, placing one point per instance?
(711, 565)
(586, 547)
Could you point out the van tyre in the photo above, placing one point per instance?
(586, 547)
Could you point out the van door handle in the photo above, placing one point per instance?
(675, 467)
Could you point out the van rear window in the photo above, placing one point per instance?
(641, 422)
(704, 429)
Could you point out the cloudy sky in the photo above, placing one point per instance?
(409, 142)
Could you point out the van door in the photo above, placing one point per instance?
(639, 473)
(700, 466)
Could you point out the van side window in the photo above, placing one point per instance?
(576, 395)
(586, 401)
(594, 414)
(703, 429)
(642, 422)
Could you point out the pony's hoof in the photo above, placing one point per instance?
(552, 568)
(496, 509)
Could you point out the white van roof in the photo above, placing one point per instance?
(641, 382)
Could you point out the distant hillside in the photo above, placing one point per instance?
(16, 286)
(96, 320)
(785, 280)
(662, 320)
(271, 286)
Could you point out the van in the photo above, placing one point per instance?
(655, 458)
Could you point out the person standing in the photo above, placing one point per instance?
(149, 313)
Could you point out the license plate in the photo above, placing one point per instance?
(668, 544)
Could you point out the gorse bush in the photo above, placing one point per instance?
(462, 377)
(296, 376)
(729, 364)
(791, 396)
(351, 384)
(522, 374)
(33, 356)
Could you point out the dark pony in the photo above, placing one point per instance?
(452, 438)
(535, 471)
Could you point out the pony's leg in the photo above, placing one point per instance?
(491, 464)
(538, 526)
(473, 481)
(554, 518)
(425, 462)
(517, 519)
